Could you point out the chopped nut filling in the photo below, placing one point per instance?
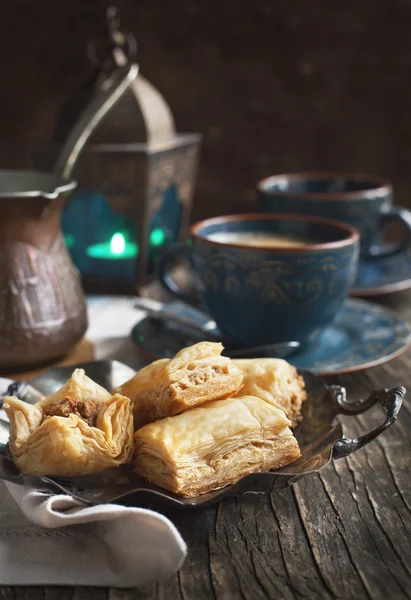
(85, 410)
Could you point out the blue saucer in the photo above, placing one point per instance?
(364, 335)
(383, 276)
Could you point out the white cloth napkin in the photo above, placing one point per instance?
(48, 539)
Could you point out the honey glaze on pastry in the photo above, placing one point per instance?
(79, 429)
(275, 381)
(214, 445)
(195, 375)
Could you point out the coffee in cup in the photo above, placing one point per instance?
(261, 239)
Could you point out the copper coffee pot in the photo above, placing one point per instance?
(42, 305)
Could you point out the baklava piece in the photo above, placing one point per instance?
(79, 429)
(196, 375)
(275, 381)
(214, 445)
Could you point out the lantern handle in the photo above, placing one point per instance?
(118, 39)
(111, 89)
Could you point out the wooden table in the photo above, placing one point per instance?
(343, 533)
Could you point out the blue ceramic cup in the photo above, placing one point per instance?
(267, 278)
(365, 202)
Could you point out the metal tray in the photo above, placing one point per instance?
(321, 440)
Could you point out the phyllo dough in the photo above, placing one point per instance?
(80, 387)
(214, 445)
(275, 381)
(79, 429)
(195, 375)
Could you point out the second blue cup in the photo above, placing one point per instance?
(363, 201)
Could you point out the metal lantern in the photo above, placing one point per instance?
(136, 174)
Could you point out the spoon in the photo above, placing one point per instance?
(276, 350)
(178, 315)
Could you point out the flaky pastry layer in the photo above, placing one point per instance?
(275, 381)
(214, 445)
(196, 375)
(80, 387)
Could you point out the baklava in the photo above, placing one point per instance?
(166, 387)
(214, 445)
(275, 381)
(79, 429)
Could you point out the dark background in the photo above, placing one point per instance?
(272, 85)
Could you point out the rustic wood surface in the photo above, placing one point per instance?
(343, 533)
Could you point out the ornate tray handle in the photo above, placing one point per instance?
(390, 400)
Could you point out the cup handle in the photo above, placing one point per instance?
(171, 255)
(396, 214)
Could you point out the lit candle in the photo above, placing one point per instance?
(117, 249)
(115, 259)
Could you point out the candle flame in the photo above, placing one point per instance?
(118, 243)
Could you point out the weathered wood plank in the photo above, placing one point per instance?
(89, 593)
(7, 593)
(22, 593)
(246, 558)
(368, 542)
(115, 594)
(327, 539)
(305, 578)
(58, 593)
